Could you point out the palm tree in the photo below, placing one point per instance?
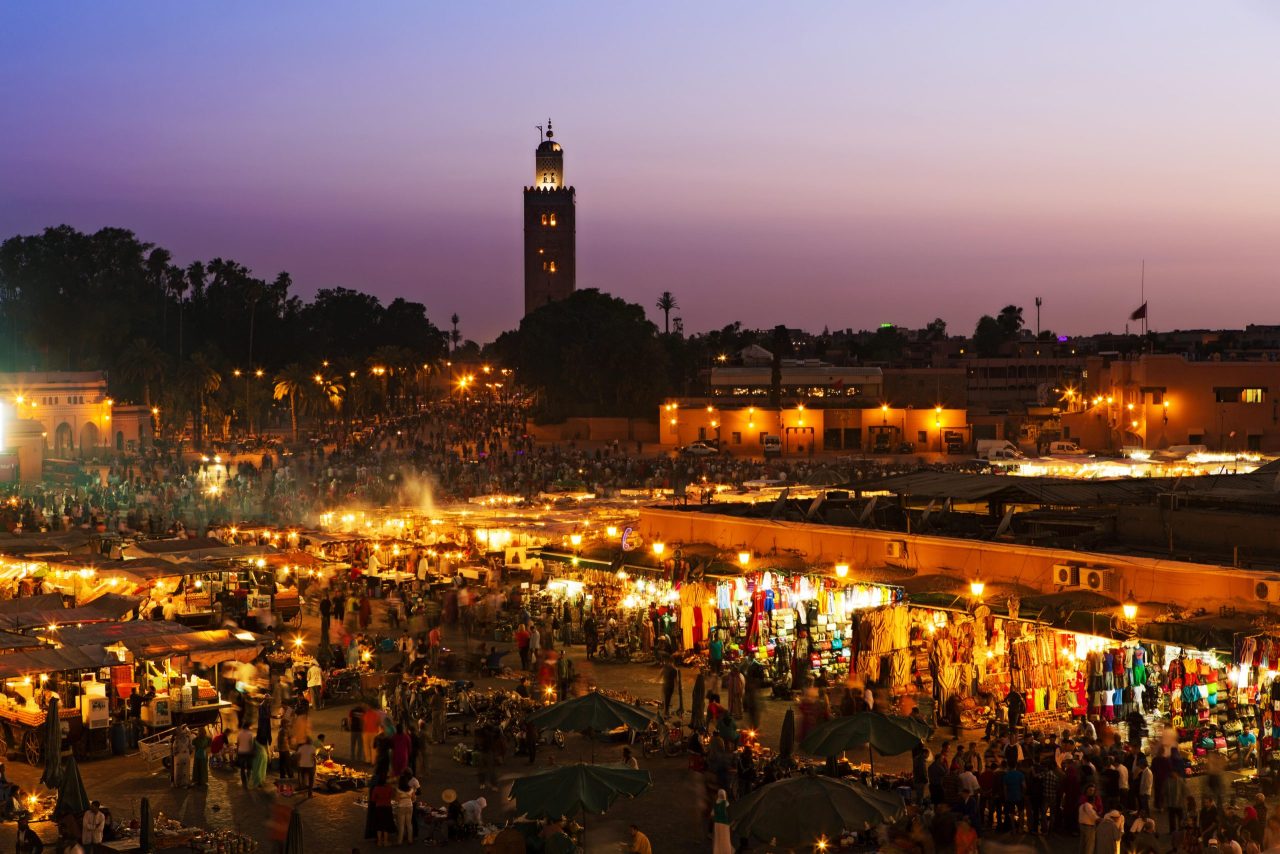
(142, 363)
(294, 382)
(455, 336)
(199, 379)
(667, 304)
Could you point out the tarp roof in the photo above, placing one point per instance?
(106, 634)
(110, 606)
(54, 660)
(45, 601)
(200, 548)
(206, 647)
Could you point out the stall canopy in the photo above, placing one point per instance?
(54, 660)
(143, 569)
(106, 634)
(200, 548)
(11, 640)
(36, 611)
(203, 647)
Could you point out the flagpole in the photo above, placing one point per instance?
(1142, 295)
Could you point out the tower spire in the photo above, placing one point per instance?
(549, 133)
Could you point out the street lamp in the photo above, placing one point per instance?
(842, 569)
(659, 548)
(1130, 608)
(1165, 405)
(744, 558)
(977, 587)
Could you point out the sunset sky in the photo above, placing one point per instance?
(814, 164)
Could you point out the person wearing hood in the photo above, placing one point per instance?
(473, 811)
(1110, 830)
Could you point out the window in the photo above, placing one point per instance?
(544, 219)
(736, 438)
(552, 268)
(1235, 394)
(544, 266)
(764, 434)
(553, 221)
(922, 436)
(1253, 442)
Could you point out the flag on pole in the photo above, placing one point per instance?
(1139, 313)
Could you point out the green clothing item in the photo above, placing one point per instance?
(200, 773)
(721, 812)
(258, 771)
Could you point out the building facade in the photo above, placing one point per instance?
(76, 416)
(550, 262)
(1156, 401)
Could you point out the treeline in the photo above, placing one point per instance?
(180, 334)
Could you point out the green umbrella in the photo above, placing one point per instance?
(888, 734)
(146, 828)
(801, 811)
(71, 795)
(698, 706)
(593, 711)
(568, 790)
(293, 839)
(52, 776)
(787, 740)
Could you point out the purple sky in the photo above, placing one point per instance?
(844, 164)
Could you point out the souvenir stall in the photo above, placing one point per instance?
(1253, 685)
(824, 619)
(977, 657)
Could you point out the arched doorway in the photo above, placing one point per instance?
(119, 440)
(62, 446)
(88, 438)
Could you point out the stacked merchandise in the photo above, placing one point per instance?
(1036, 673)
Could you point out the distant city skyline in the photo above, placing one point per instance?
(839, 165)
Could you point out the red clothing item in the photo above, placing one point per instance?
(382, 796)
(372, 721)
(522, 639)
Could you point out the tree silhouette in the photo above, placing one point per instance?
(667, 304)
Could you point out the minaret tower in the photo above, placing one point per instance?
(550, 267)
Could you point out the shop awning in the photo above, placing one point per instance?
(54, 660)
(203, 647)
(200, 548)
(144, 569)
(1192, 634)
(106, 634)
(12, 640)
(110, 606)
(45, 601)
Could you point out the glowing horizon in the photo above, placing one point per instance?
(880, 163)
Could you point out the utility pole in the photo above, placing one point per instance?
(1039, 302)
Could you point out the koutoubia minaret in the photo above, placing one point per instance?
(550, 268)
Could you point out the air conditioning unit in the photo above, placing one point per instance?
(1267, 591)
(895, 549)
(1098, 580)
(1066, 575)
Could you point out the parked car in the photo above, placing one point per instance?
(699, 449)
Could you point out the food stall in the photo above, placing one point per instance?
(31, 676)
